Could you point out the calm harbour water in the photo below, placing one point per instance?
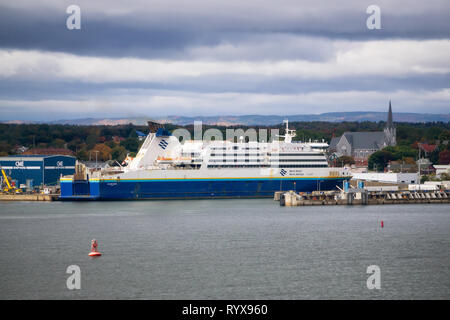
(223, 249)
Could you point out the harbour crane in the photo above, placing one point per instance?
(8, 188)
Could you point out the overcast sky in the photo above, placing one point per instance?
(221, 57)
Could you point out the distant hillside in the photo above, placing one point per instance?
(99, 122)
(329, 117)
(262, 119)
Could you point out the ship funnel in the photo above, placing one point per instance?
(154, 126)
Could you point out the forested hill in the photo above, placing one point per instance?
(115, 142)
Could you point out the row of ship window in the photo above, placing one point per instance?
(268, 166)
(272, 160)
(269, 154)
(235, 148)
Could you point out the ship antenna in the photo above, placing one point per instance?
(287, 125)
(289, 133)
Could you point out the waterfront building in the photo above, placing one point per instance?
(388, 177)
(48, 152)
(442, 169)
(35, 170)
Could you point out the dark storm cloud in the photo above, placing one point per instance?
(169, 34)
(24, 30)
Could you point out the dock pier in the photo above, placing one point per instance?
(360, 197)
(29, 197)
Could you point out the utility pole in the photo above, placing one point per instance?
(43, 172)
(96, 153)
(419, 163)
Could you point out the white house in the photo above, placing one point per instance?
(440, 169)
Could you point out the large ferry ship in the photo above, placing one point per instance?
(164, 168)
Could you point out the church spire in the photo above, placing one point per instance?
(390, 123)
(390, 133)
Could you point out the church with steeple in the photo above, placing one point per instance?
(360, 145)
(389, 131)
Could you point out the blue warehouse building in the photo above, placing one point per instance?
(35, 170)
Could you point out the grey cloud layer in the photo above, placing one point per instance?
(221, 57)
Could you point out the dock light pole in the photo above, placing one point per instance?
(96, 153)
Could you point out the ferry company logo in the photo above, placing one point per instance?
(60, 164)
(283, 172)
(163, 144)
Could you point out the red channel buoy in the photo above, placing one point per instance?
(382, 223)
(94, 252)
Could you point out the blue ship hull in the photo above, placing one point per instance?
(191, 189)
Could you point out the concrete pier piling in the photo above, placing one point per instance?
(360, 197)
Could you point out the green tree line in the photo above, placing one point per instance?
(115, 142)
